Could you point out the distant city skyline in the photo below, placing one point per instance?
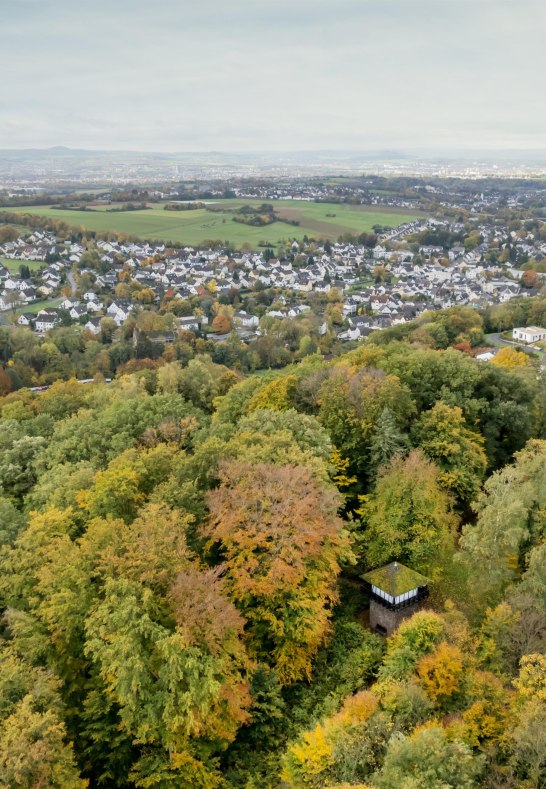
(294, 75)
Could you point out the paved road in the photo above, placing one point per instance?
(496, 339)
(72, 282)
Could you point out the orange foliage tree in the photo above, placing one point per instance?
(221, 324)
(279, 535)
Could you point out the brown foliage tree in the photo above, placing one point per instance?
(278, 532)
(221, 324)
(530, 279)
(5, 382)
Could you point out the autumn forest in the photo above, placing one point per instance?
(181, 561)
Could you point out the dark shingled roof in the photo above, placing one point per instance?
(395, 579)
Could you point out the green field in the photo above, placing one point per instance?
(35, 306)
(316, 220)
(13, 266)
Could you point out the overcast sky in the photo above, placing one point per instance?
(182, 75)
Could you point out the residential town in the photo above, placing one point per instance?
(389, 283)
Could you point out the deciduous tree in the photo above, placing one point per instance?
(280, 540)
(408, 517)
(429, 760)
(510, 521)
(443, 436)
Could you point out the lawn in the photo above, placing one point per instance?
(13, 266)
(316, 220)
(36, 306)
(356, 287)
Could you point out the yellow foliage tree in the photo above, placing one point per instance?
(341, 465)
(509, 357)
(306, 761)
(277, 395)
(531, 682)
(442, 672)
(485, 720)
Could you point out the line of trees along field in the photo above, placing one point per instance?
(180, 554)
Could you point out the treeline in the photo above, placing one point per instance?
(194, 205)
(516, 312)
(128, 207)
(61, 229)
(67, 199)
(180, 560)
(147, 341)
(151, 339)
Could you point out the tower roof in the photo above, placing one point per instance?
(395, 579)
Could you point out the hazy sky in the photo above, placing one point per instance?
(180, 75)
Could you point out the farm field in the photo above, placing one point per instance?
(316, 220)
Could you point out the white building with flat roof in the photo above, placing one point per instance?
(529, 334)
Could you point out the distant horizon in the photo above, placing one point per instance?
(374, 151)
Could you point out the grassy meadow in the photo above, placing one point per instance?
(43, 304)
(34, 307)
(13, 266)
(316, 220)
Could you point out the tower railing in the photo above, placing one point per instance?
(422, 594)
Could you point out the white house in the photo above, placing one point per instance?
(244, 319)
(46, 320)
(119, 311)
(67, 303)
(77, 312)
(529, 334)
(24, 320)
(11, 298)
(190, 323)
(94, 305)
(93, 325)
